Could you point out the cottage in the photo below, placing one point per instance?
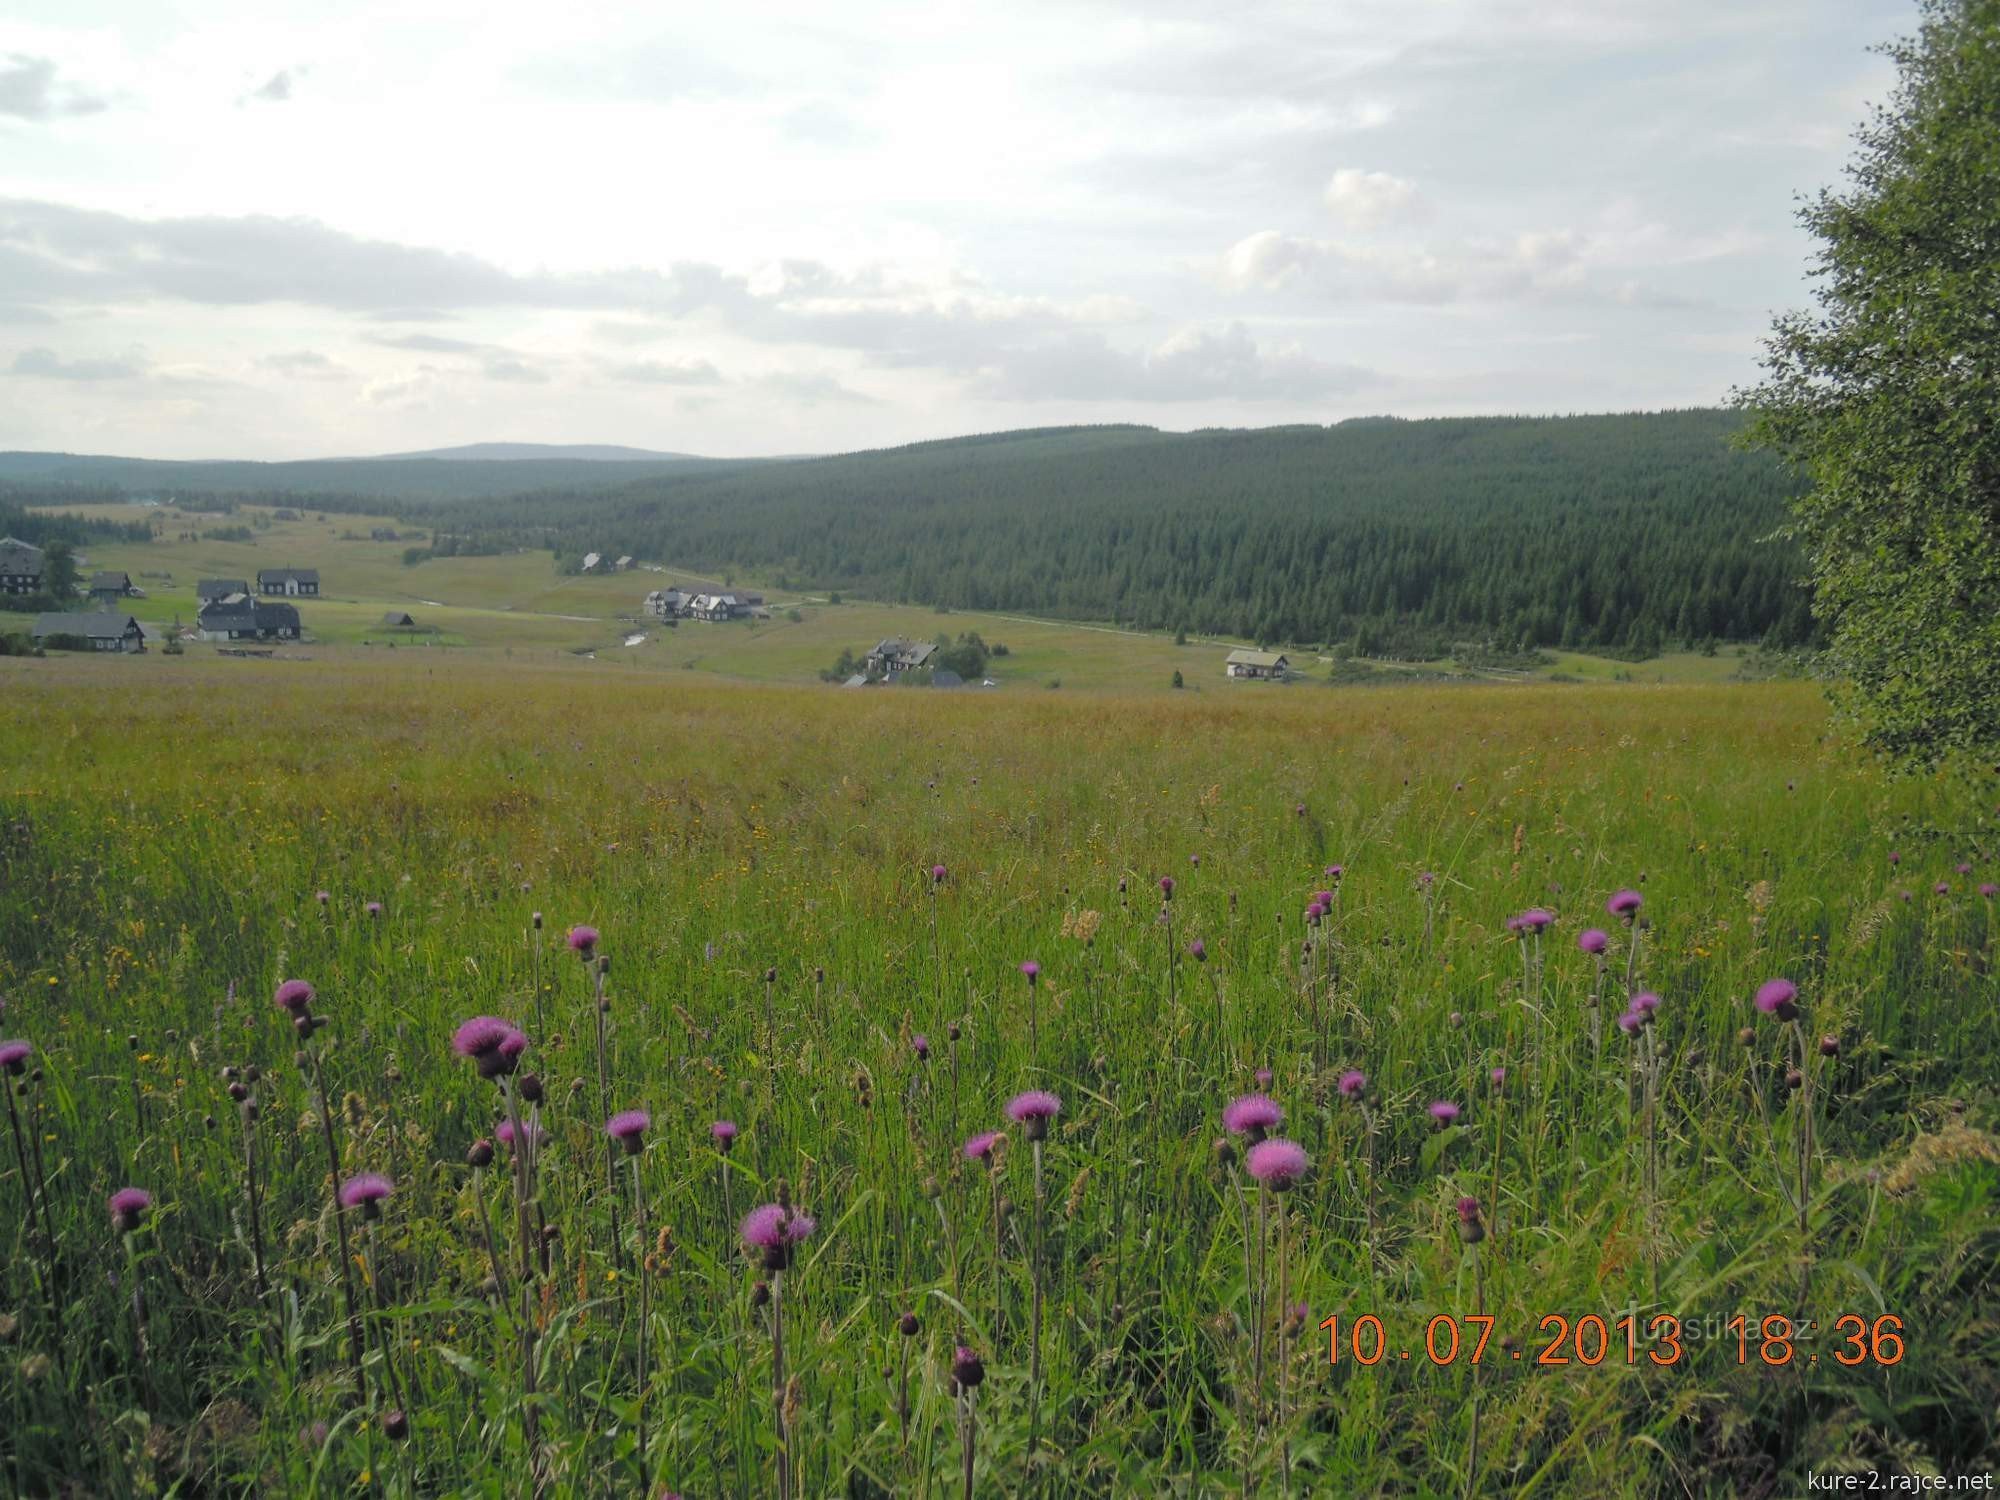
(623, 565)
(591, 561)
(383, 534)
(210, 589)
(1262, 664)
(277, 622)
(288, 581)
(898, 655)
(729, 606)
(668, 603)
(20, 567)
(108, 588)
(104, 631)
(244, 619)
(399, 619)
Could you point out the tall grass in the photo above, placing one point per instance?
(164, 829)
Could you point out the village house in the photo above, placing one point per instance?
(210, 589)
(1271, 665)
(399, 619)
(108, 588)
(668, 603)
(288, 581)
(244, 619)
(898, 655)
(737, 604)
(20, 567)
(104, 631)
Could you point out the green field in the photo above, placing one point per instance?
(518, 604)
(758, 859)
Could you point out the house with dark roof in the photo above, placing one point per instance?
(896, 655)
(240, 618)
(104, 631)
(219, 588)
(20, 567)
(292, 581)
(108, 588)
(1270, 665)
(399, 619)
(669, 603)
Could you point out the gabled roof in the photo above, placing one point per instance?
(275, 616)
(279, 575)
(220, 588)
(398, 617)
(111, 581)
(97, 626)
(17, 556)
(237, 612)
(1245, 658)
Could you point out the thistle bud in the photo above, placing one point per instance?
(530, 1085)
(480, 1153)
(395, 1425)
(967, 1368)
(909, 1324)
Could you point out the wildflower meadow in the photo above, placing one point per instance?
(537, 1080)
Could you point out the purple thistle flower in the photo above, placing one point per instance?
(1499, 1077)
(1513, 924)
(1263, 1077)
(535, 1133)
(1593, 940)
(773, 1229)
(1034, 1109)
(1167, 886)
(1427, 879)
(1535, 919)
(937, 874)
(1334, 872)
(1645, 1003)
(365, 1189)
(373, 909)
(980, 1147)
(322, 897)
(1630, 1022)
(582, 940)
(1353, 1084)
(1198, 951)
(493, 1044)
(1195, 860)
(1256, 1114)
(14, 1056)
(1777, 997)
(921, 1045)
(1468, 1210)
(1895, 858)
(1624, 904)
(1941, 888)
(1277, 1163)
(1444, 1111)
(723, 1133)
(1964, 868)
(295, 995)
(1988, 889)
(479, 1035)
(627, 1126)
(1033, 971)
(1300, 810)
(128, 1207)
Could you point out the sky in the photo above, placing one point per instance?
(285, 230)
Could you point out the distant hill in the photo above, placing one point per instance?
(596, 453)
(340, 483)
(1615, 532)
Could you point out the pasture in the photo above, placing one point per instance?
(813, 910)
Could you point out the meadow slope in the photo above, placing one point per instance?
(759, 862)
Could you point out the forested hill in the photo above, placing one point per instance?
(1627, 531)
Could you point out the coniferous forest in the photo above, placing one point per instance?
(1624, 532)
(1618, 533)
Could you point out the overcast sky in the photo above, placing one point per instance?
(283, 229)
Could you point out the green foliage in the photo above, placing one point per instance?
(1585, 531)
(1888, 397)
(713, 831)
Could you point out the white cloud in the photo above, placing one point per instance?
(1372, 200)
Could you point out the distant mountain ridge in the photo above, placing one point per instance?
(596, 453)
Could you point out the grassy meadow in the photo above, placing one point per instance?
(776, 952)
